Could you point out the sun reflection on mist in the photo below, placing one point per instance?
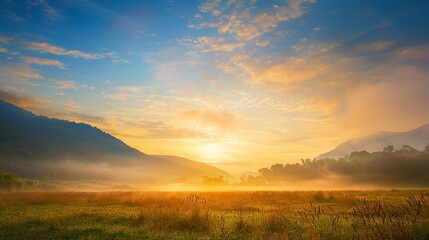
(212, 152)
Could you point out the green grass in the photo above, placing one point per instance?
(215, 215)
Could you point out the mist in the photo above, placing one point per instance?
(405, 168)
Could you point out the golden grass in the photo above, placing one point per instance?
(216, 215)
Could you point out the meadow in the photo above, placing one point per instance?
(395, 214)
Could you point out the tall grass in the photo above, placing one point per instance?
(223, 215)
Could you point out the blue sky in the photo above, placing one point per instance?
(228, 82)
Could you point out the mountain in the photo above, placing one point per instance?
(36, 147)
(417, 138)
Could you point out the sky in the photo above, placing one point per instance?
(238, 84)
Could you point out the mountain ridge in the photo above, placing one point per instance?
(34, 146)
(417, 138)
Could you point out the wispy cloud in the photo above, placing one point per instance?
(42, 61)
(221, 119)
(96, 9)
(46, 107)
(11, 15)
(131, 89)
(208, 44)
(120, 96)
(378, 105)
(17, 72)
(30, 103)
(209, 5)
(69, 105)
(44, 47)
(242, 23)
(65, 84)
(375, 46)
(5, 40)
(50, 12)
(419, 52)
(143, 129)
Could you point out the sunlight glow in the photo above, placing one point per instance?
(212, 152)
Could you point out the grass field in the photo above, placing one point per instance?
(215, 215)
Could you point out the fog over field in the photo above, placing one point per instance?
(214, 119)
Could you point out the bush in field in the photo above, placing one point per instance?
(9, 181)
(214, 180)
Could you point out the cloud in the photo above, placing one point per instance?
(30, 103)
(13, 16)
(50, 12)
(317, 64)
(77, 116)
(5, 40)
(292, 70)
(98, 10)
(130, 89)
(220, 119)
(158, 130)
(375, 46)
(115, 58)
(120, 60)
(208, 44)
(3, 50)
(209, 6)
(266, 22)
(262, 43)
(170, 71)
(397, 103)
(42, 61)
(120, 96)
(44, 47)
(241, 24)
(17, 72)
(419, 52)
(226, 67)
(65, 84)
(69, 105)
(45, 107)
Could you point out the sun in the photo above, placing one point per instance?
(212, 152)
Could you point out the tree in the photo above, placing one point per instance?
(426, 150)
(388, 149)
(408, 148)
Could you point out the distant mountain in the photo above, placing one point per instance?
(37, 147)
(398, 169)
(417, 138)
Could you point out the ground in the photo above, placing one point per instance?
(215, 215)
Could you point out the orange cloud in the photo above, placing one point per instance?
(375, 46)
(220, 119)
(143, 129)
(65, 84)
(17, 72)
(398, 104)
(69, 105)
(42, 61)
(121, 96)
(420, 52)
(244, 26)
(44, 107)
(292, 70)
(208, 44)
(48, 48)
(5, 40)
(23, 101)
